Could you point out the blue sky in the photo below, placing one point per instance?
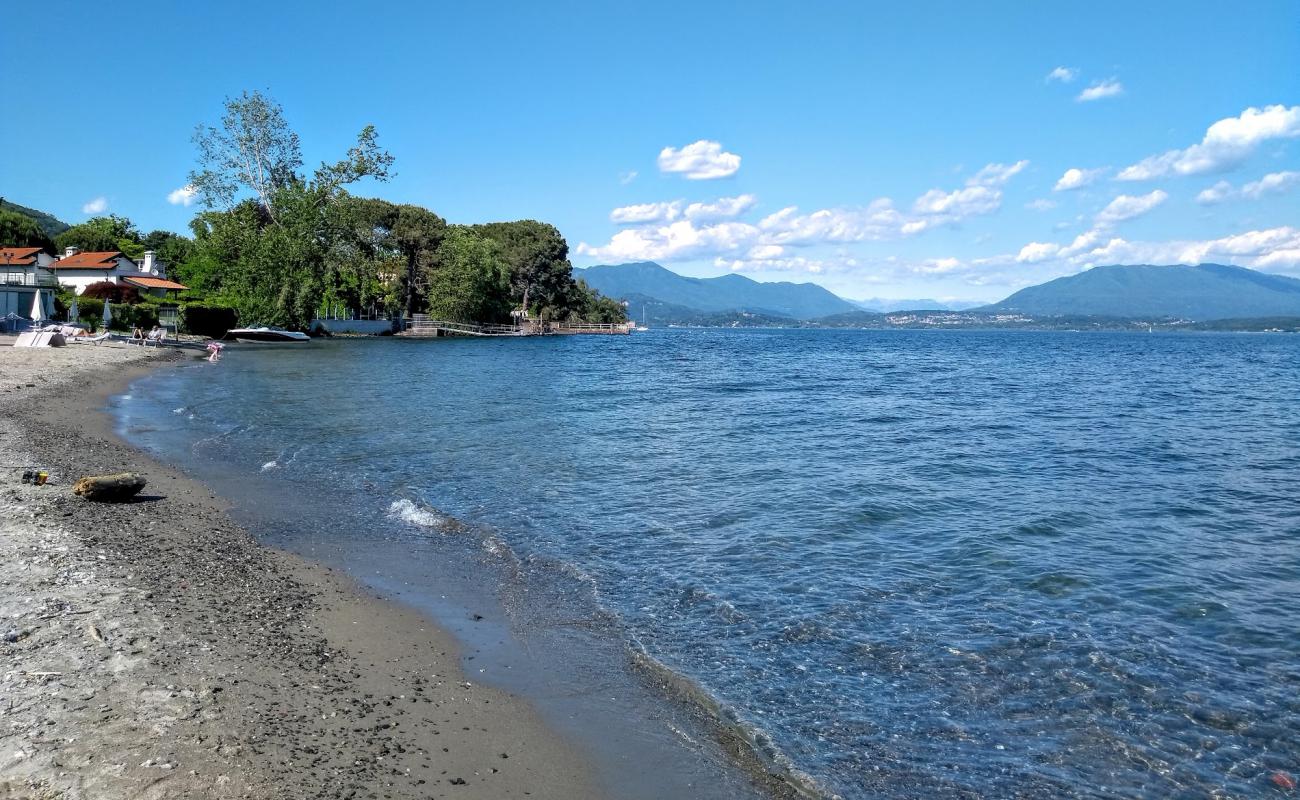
(884, 150)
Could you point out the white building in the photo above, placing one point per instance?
(77, 270)
(23, 270)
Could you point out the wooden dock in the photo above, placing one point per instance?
(422, 326)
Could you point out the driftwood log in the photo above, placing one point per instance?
(110, 488)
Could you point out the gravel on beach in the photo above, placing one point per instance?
(153, 649)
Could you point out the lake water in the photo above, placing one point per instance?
(920, 563)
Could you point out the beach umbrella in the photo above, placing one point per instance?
(73, 311)
(108, 313)
(38, 307)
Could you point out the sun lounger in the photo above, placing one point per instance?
(90, 339)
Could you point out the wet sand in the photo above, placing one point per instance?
(155, 650)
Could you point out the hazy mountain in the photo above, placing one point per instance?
(882, 305)
(648, 280)
(1202, 292)
(52, 225)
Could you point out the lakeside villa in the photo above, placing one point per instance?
(26, 270)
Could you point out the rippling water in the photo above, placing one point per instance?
(924, 563)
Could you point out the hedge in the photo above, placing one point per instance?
(202, 319)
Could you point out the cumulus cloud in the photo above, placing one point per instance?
(1276, 249)
(1127, 207)
(1041, 204)
(702, 160)
(646, 212)
(1215, 194)
(678, 240)
(996, 174)
(674, 230)
(1227, 143)
(1075, 178)
(97, 206)
(1034, 252)
(1062, 74)
(1101, 90)
(183, 196)
(971, 201)
(1272, 183)
(722, 208)
(627, 177)
(878, 221)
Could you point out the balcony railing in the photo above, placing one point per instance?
(15, 278)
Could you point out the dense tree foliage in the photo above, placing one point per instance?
(103, 234)
(281, 247)
(19, 230)
(47, 222)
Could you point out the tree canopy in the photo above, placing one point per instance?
(103, 233)
(281, 246)
(20, 230)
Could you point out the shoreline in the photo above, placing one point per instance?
(158, 650)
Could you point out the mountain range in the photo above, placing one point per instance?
(1199, 293)
(646, 279)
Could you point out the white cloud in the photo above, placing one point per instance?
(674, 241)
(1101, 90)
(627, 177)
(1062, 74)
(1075, 178)
(1034, 252)
(702, 160)
(646, 212)
(722, 208)
(1129, 206)
(1215, 194)
(1041, 204)
(183, 196)
(97, 206)
(878, 221)
(1272, 183)
(996, 174)
(971, 201)
(1227, 143)
(1276, 249)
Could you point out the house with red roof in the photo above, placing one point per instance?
(77, 270)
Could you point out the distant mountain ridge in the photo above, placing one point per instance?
(1201, 292)
(49, 223)
(883, 305)
(648, 280)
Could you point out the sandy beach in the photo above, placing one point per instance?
(153, 649)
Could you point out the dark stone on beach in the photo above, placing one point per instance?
(110, 488)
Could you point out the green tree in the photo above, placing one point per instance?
(468, 278)
(253, 148)
(20, 230)
(101, 234)
(416, 233)
(276, 256)
(537, 256)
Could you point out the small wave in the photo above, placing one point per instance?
(180, 410)
(431, 518)
(270, 465)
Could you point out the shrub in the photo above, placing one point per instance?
(203, 319)
(107, 290)
(90, 312)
